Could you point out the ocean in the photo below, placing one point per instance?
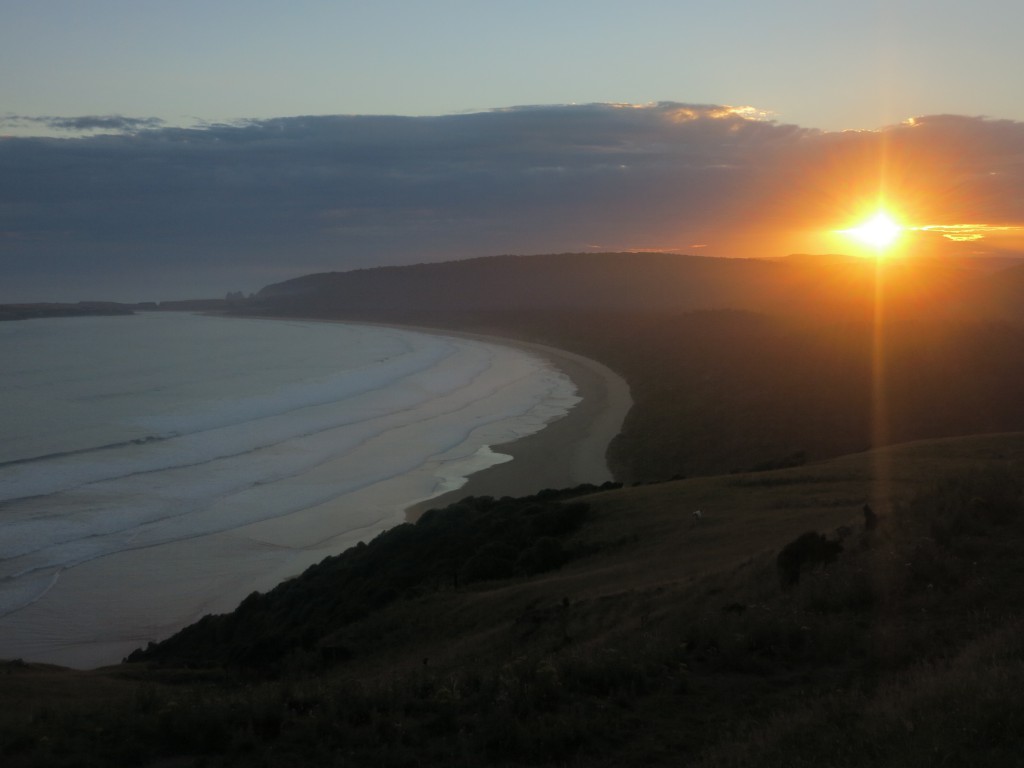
(157, 467)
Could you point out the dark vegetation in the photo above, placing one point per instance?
(905, 648)
(809, 550)
(301, 623)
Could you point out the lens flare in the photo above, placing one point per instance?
(880, 231)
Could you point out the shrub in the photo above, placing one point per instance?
(545, 554)
(806, 551)
(491, 561)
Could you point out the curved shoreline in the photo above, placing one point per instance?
(568, 451)
(86, 622)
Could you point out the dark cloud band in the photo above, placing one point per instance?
(258, 200)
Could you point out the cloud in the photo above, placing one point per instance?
(86, 124)
(145, 210)
(968, 233)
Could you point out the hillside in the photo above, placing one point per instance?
(604, 281)
(662, 641)
(651, 283)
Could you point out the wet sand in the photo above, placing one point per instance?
(568, 451)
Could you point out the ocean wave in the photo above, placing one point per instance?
(420, 418)
(249, 425)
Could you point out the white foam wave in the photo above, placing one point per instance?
(398, 424)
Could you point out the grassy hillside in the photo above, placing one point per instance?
(602, 281)
(662, 641)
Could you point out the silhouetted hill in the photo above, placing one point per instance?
(645, 282)
(600, 281)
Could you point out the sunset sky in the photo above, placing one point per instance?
(153, 150)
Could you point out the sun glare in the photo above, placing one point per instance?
(880, 231)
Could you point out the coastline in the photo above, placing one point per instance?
(567, 452)
(176, 582)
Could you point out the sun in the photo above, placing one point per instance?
(880, 232)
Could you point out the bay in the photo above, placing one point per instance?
(157, 467)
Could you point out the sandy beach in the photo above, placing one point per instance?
(568, 451)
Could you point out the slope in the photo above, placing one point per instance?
(665, 640)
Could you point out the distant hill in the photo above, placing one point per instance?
(600, 281)
(81, 309)
(644, 282)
